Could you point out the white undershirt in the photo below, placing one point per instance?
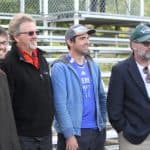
(147, 85)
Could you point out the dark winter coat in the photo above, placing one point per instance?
(8, 134)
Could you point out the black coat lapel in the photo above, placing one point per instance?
(136, 76)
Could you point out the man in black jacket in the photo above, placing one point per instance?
(30, 85)
(129, 94)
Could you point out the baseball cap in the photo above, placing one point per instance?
(77, 30)
(141, 33)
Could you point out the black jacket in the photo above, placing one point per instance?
(31, 93)
(128, 102)
(8, 134)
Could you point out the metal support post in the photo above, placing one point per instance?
(22, 6)
(76, 14)
(141, 8)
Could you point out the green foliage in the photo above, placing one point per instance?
(9, 6)
(147, 9)
(55, 6)
(32, 7)
(13, 6)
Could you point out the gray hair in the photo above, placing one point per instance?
(3, 32)
(14, 25)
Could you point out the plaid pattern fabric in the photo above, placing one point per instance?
(147, 72)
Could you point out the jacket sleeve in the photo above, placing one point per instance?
(6, 67)
(100, 92)
(60, 100)
(115, 99)
(8, 133)
(102, 97)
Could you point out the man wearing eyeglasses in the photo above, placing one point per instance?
(129, 93)
(30, 85)
(3, 44)
(8, 134)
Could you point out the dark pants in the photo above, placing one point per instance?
(90, 139)
(35, 143)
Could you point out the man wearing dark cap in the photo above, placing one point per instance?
(79, 97)
(129, 93)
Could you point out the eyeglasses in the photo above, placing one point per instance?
(4, 43)
(146, 43)
(147, 72)
(30, 33)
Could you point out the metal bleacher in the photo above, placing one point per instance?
(112, 19)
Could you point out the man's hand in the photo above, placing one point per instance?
(71, 143)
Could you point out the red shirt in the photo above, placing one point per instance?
(33, 59)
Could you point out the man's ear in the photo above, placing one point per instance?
(133, 45)
(16, 38)
(69, 42)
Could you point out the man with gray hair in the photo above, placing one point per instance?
(129, 93)
(30, 85)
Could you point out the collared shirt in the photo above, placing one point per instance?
(33, 59)
(147, 85)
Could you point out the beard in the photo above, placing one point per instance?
(32, 45)
(3, 53)
(145, 55)
(83, 51)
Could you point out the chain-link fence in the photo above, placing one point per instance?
(9, 6)
(55, 6)
(125, 7)
(32, 6)
(15, 6)
(121, 7)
